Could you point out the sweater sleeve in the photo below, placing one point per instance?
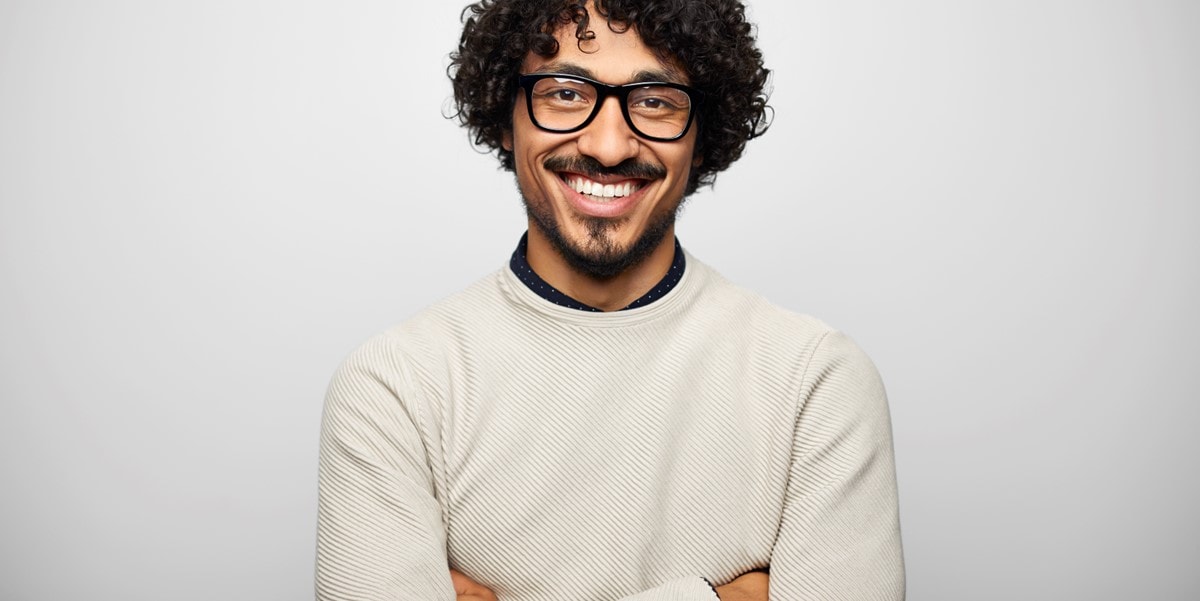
(688, 588)
(380, 532)
(839, 536)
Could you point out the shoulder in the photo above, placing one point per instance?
(771, 324)
(435, 326)
(421, 342)
(800, 345)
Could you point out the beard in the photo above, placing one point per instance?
(598, 256)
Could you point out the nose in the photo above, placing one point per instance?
(608, 138)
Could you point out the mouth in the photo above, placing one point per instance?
(601, 191)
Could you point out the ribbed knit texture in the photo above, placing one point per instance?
(558, 455)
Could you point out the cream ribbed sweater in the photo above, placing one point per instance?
(553, 454)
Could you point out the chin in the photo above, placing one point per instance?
(594, 251)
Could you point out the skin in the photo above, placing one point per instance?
(614, 58)
(752, 586)
(468, 590)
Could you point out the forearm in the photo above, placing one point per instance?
(380, 533)
(840, 533)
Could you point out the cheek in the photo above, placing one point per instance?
(684, 162)
(681, 156)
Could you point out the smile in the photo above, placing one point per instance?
(599, 190)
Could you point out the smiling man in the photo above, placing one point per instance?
(606, 417)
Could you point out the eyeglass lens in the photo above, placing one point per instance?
(561, 103)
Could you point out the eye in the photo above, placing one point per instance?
(565, 95)
(658, 99)
(656, 105)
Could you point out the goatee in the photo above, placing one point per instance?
(599, 256)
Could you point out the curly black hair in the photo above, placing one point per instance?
(709, 38)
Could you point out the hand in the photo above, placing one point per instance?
(469, 590)
(751, 586)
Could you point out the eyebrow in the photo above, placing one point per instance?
(667, 74)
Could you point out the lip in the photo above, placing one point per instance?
(617, 207)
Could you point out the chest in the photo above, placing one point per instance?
(601, 467)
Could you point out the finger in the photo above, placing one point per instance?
(462, 584)
(476, 597)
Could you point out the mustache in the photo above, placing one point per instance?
(590, 167)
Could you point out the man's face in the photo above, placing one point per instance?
(601, 236)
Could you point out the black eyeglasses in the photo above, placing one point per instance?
(655, 110)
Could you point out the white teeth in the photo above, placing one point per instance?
(598, 190)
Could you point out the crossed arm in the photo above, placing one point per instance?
(381, 533)
(751, 586)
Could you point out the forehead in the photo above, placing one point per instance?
(614, 57)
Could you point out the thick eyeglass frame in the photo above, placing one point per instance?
(603, 91)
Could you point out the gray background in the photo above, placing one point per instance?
(206, 205)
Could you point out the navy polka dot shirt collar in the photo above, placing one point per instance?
(520, 266)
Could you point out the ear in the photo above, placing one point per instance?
(697, 161)
(506, 141)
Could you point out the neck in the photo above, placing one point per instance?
(606, 294)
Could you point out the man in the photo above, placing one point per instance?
(606, 417)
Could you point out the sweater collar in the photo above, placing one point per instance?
(520, 267)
